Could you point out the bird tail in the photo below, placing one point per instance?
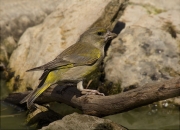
(33, 95)
(40, 89)
(26, 98)
(36, 69)
(36, 94)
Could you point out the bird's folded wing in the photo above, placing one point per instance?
(79, 54)
(75, 59)
(82, 59)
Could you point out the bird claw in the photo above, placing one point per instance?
(87, 91)
(91, 92)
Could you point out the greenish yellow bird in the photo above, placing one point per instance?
(75, 63)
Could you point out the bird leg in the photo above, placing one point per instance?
(87, 91)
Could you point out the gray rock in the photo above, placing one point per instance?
(83, 122)
(17, 15)
(158, 4)
(137, 14)
(148, 48)
(141, 55)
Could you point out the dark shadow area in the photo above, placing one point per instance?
(43, 118)
(118, 27)
(64, 87)
(104, 126)
(109, 126)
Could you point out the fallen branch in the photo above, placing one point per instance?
(106, 105)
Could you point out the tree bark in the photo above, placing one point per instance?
(106, 105)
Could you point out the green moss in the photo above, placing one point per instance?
(170, 71)
(150, 8)
(109, 88)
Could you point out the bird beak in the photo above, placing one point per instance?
(109, 35)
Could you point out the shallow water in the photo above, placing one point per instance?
(149, 118)
(12, 117)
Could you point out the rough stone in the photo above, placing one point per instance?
(141, 55)
(160, 4)
(17, 15)
(83, 122)
(148, 48)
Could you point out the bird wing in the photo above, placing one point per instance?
(79, 54)
(75, 55)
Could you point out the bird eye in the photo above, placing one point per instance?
(100, 33)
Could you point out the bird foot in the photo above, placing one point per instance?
(91, 92)
(87, 91)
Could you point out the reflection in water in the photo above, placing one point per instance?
(150, 117)
(12, 117)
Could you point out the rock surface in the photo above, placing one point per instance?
(148, 49)
(83, 122)
(17, 15)
(141, 55)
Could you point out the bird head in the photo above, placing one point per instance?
(97, 36)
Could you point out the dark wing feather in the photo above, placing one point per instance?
(80, 54)
(45, 74)
(77, 54)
